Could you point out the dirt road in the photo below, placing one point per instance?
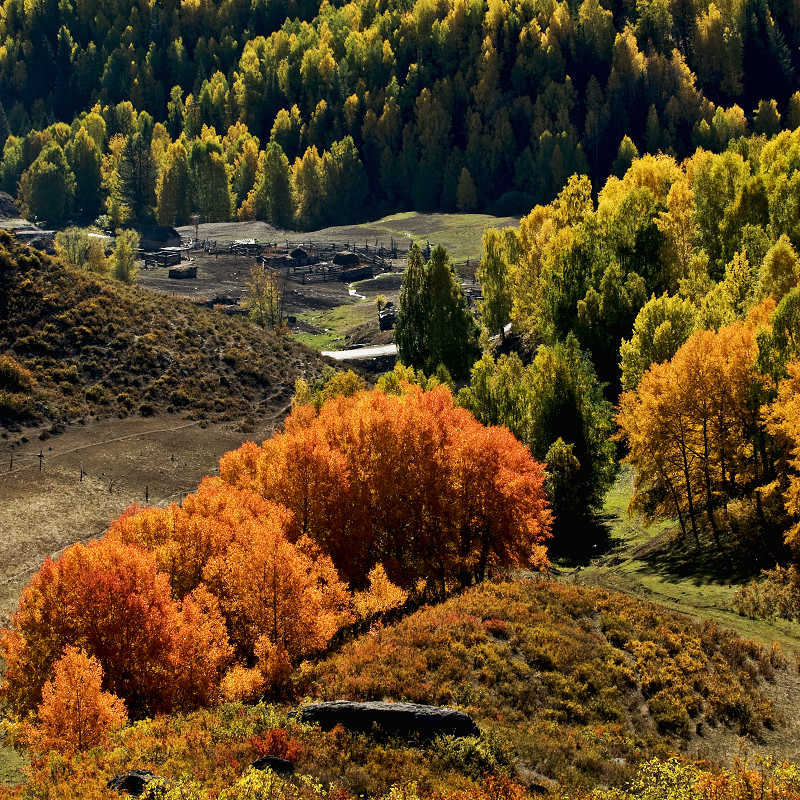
(362, 353)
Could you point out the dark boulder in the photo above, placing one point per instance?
(133, 782)
(279, 765)
(399, 719)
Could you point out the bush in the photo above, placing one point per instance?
(97, 394)
(775, 594)
(15, 406)
(14, 378)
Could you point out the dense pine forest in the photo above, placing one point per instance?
(311, 115)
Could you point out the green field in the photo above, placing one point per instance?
(461, 234)
(334, 324)
(647, 562)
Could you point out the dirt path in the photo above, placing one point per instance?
(362, 353)
(123, 462)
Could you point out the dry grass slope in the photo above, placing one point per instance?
(98, 348)
(572, 687)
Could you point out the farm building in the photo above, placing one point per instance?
(344, 259)
(33, 237)
(159, 237)
(178, 273)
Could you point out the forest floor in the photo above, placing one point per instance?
(652, 563)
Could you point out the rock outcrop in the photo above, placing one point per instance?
(134, 782)
(399, 719)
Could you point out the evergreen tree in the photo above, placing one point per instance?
(434, 324)
(5, 130)
(173, 205)
(466, 193)
(277, 187)
(85, 159)
(137, 176)
(209, 180)
(410, 325)
(345, 180)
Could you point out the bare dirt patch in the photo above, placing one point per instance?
(124, 462)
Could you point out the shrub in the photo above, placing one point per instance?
(775, 594)
(14, 378)
(75, 714)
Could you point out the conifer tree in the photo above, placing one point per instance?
(466, 193)
(5, 130)
(137, 176)
(172, 190)
(435, 325)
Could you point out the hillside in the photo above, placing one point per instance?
(316, 114)
(572, 687)
(96, 348)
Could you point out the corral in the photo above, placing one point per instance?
(330, 278)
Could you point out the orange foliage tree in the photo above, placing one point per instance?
(411, 482)
(382, 490)
(693, 428)
(184, 538)
(75, 714)
(234, 543)
(109, 599)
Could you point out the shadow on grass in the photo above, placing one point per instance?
(579, 543)
(668, 554)
(741, 557)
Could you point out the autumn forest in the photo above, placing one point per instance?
(561, 499)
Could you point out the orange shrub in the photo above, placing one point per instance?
(108, 599)
(412, 482)
(75, 714)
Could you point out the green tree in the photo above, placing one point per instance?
(47, 187)
(452, 335)
(137, 176)
(625, 156)
(661, 327)
(344, 179)
(310, 190)
(500, 248)
(209, 180)
(5, 130)
(287, 130)
(264, 299)
(434, 325)
(271, 196)
(173, 200)
(780, 270)
(123, 257)
(84, 158)
(557, 397)
(412, 312)
(766, 118)
(72, 247)
(466, 193)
